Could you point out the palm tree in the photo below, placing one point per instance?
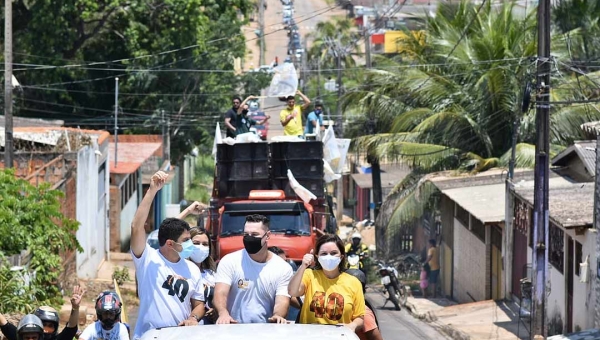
(457, 108)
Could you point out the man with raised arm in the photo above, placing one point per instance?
(170, 288)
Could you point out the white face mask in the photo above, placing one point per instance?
(329, 262)
(200, 253)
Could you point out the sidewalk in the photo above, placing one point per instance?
(479, 320)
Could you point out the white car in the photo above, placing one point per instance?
(263, 331)
(265, 68)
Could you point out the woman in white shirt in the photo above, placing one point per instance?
(202, 257)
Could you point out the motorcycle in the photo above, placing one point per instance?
(389, 279)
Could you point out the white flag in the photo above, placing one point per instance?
(284, 82)
(218, 140)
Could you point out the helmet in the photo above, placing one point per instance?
(108, 301)
(357, 273)
(30, 324)
(48, 314)
(357, 235)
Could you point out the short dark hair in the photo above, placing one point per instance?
(258, 218)
(340, 245)
(432, 242)
(237, 98)
(290, 97)
(276, 250)
(171, 229)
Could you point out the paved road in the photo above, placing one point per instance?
(399, 324)
(308, 13)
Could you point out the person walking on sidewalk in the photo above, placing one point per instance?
(433, 259)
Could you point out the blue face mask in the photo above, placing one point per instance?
(318, 112)
(188, 249)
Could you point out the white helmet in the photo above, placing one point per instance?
(357, 235)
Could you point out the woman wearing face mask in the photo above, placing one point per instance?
(331, 296)
(202, 258)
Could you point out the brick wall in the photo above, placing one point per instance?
(115, 219)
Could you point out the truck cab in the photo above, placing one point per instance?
(291, 223)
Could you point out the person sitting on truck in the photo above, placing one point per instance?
(243, 122)
(202, 258)
(251, 283)
(231, 117)
(291, 116)
(50, 319)
(313, 118)
(170, 288)
(326, 284)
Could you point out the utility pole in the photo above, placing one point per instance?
(166, 132)
(340, 121)
(541, 184)
(372, 128)
(597, 226)
(261, 23)
(319, 77)
(8, 101)
(116, 119)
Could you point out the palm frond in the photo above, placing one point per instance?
(524, 156)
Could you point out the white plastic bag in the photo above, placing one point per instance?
(301, 191)
(328, 173)
(248, 137)
(284, 82)
(331, 151)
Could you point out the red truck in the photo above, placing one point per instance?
(249, 179)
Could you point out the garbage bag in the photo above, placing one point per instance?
(284, 82)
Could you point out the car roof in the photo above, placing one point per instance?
(267, 331)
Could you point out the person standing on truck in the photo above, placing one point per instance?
(327, 284)
(314, 117)
(50, 320)
(231, 117)
(251, 283)
(243, 122)
(291, 116)
(170, 288)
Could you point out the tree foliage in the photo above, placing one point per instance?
(31, 219)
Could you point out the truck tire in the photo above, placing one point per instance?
(392, 296)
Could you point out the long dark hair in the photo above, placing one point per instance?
(340, 245)
(208, 263)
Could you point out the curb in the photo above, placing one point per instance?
(432, 319)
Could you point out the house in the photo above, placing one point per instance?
(572, 241)
(133, 159)
(472, 217)
(578, 161)
(74, 161)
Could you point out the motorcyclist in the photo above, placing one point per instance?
(50, 320)
(108, 325)
(355, 247)
(30, 328)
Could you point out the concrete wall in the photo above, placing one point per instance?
(583, 302)
(469, 265)
(556, 302)
(125, 220)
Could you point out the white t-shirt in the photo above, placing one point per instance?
(253, 285)
(165, 290)
(91, 333)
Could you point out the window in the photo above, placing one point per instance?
(478, 229)
(462, 215)
(578, 257)
(556, 250)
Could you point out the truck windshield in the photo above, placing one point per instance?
(289, 222)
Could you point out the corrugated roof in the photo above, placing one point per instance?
(571, 204)
(485, 202)
(49, 134)
(585, 150)
(130, 156)
(28, 122)
(390, 177)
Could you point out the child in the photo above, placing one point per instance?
(424, 281)
(108, 325)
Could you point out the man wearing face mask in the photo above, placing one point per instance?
(170, 288)
(251, 283)
(313, 118)
(243, 122)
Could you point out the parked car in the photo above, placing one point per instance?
(261, 130)
(265, 68)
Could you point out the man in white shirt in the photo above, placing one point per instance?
(170, 288)
(251, 283)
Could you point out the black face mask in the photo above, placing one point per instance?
(253, 244)
(49, 336)
(108, 324)
(244, 112)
